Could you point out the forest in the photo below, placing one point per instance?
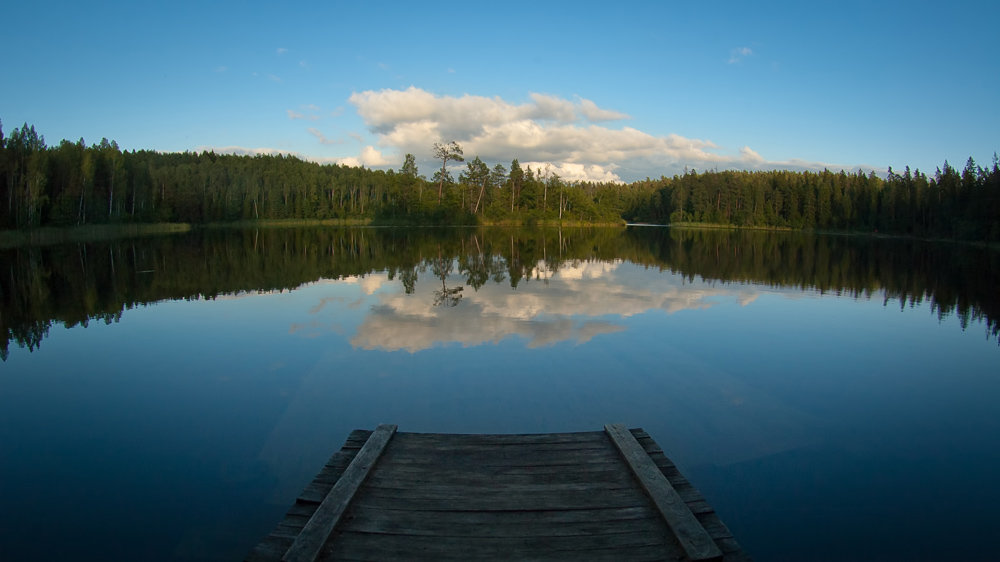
(74, 184)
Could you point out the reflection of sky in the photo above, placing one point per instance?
(574, 303)
(230, 406)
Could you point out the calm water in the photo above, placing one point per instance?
(833, 397)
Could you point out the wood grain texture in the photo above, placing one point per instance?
(562, 496)
(307, 545)
(697, 543)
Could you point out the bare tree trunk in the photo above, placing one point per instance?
(482, 189)
(444, 170)
(81, 215)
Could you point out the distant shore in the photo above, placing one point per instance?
(96, 232)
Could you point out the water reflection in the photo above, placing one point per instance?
(75, 284)
(574, 302)
(725, 345)
(446, 296)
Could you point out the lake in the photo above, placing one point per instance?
(833, 397)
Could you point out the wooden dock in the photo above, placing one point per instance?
(601, 495)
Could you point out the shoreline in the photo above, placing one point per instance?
(49, 235)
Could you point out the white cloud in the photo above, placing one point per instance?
(547, 131)
(385, 110)
(282, 50)
(573, 172)
(322, 138)
(549, 108)
(312, 114)
(594, 114)
(749, 155)
(351, 161)
(369, 157)
(739, 53)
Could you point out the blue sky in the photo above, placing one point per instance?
(598, 90)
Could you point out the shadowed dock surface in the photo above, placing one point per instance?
(602, 495)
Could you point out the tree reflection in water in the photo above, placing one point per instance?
(447, 296)
(72, 284)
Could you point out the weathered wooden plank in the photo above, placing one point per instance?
(446, 487)
(539, 518)
(699, 507)
(485, 459)
(498, 502)
(309, 542)
(430, 439)
(671, 472)
(689, 494)
(301, 510)
(493, 479)
(402, 467)
(493, 500)
(458, 525)
(314, 492)
(705, 513)
(269, 549)
(421, 446)
(527, 490)
(352, 545)
(277, 543)
(285, 531)
(734, 552)
(633, 554)
(715, 527)
(296, 519)
(697, 543)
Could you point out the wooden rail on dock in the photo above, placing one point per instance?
(602, 495)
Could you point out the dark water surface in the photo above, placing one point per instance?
(833, 397)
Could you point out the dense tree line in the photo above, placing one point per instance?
(76, 184)
(73, 284)
(951, 204)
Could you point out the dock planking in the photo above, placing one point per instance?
(595, 495)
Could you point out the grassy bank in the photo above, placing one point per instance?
(716, 226)
(85, 233)
(858, 233)
(550, 223)
(289, 223)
